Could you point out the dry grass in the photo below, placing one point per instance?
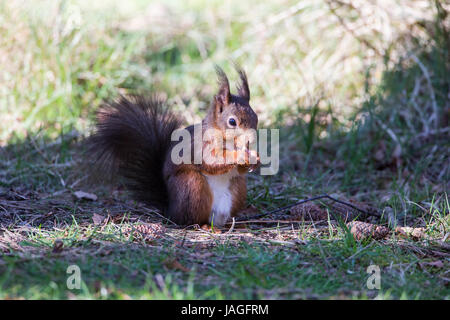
(293, 52)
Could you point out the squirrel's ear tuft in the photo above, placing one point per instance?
(223, 96)
(242, 87)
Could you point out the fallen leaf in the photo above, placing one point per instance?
(98, 219)
(81, 195)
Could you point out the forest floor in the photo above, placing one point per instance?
(126, 250)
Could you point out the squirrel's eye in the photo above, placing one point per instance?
(232, 122)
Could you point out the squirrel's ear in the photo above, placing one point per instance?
(223, 96)
(242, 88)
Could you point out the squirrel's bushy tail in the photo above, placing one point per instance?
(132, 139)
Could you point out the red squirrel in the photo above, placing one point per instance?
(133, 135)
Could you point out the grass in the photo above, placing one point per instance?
(213, 267)
(263, 259)
(246, 272)
(362, 112)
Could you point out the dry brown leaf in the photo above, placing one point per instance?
(81, 195)
(363, 230)
(98, 219)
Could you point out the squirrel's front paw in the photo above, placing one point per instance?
(255, 162)
(248, 159)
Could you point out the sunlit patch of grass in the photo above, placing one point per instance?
(117, 269)
(61, 59)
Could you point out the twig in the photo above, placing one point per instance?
(323, 196)
(276, 221)
(232, 226)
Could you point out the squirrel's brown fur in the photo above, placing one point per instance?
(133, 139)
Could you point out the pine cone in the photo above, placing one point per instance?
(363, 230)
(146, 232)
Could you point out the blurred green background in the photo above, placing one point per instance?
(60, 59)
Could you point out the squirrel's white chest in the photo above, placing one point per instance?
(222, 197)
